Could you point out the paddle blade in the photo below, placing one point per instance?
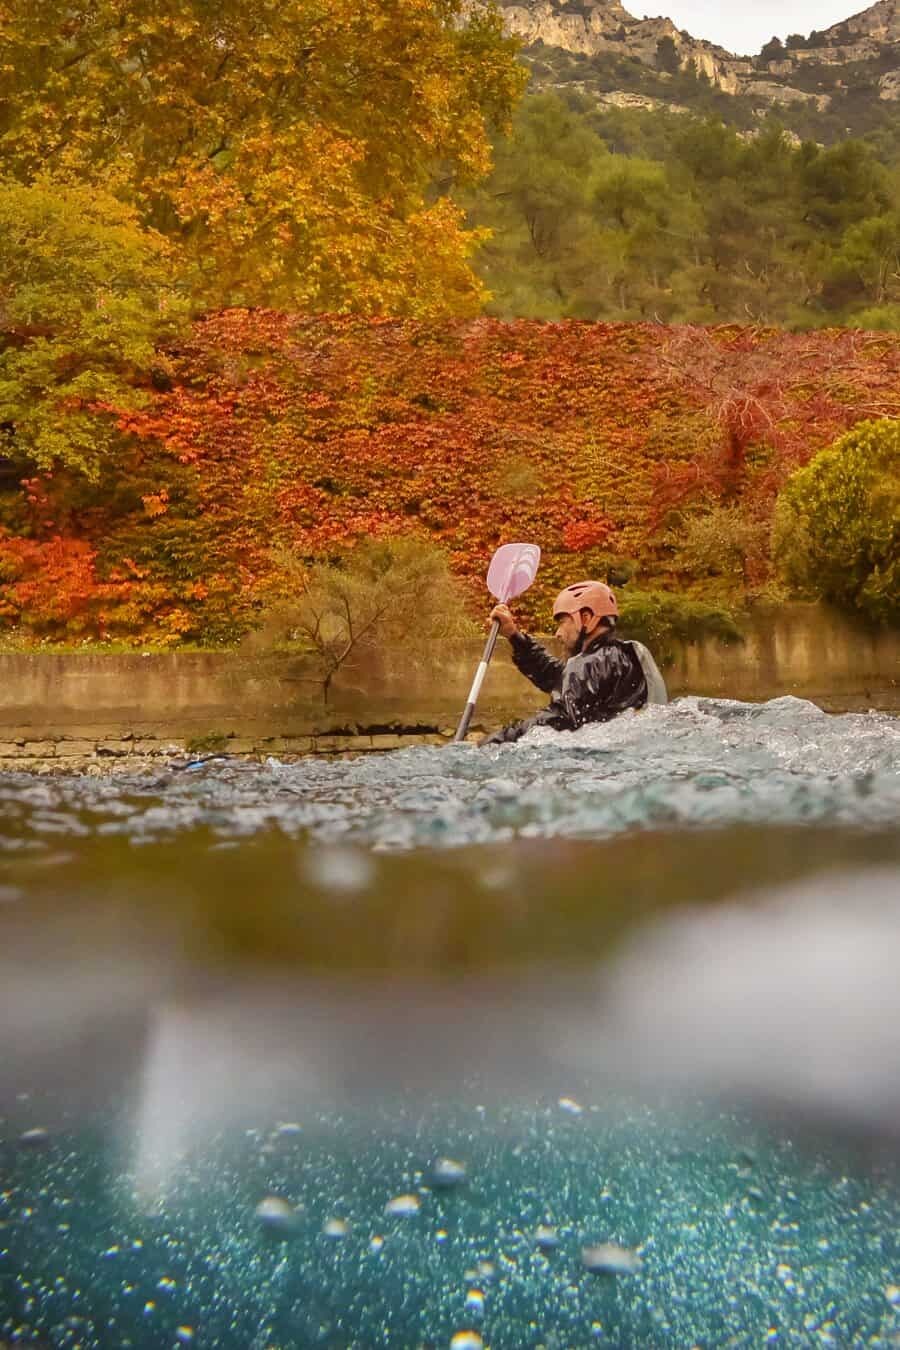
(512, 570)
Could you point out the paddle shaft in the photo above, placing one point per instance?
(478, 681)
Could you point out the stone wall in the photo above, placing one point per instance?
(62, 753)
(110, 711)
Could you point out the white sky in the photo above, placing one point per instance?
(744, 27)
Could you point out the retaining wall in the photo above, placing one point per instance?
(110, 710)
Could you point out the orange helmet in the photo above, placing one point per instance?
(592, 595)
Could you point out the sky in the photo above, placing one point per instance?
(743, 28)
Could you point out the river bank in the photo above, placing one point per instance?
(98, 713)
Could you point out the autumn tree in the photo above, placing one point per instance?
(87, 298)
(301, 154)
(762, 391)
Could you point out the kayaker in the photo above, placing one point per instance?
(602, 675)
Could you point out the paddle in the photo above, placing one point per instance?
(512, 570)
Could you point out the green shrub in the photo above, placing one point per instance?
(836, 533)
(659, 619)
(723, 542)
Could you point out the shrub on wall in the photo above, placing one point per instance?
(836, 533)
(660, 619)
(385, 593)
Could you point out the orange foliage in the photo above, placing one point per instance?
(285, 433)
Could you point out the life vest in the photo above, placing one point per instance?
(656, 685)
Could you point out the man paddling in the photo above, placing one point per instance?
(601, 677)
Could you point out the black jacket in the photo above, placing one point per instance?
(595, 686)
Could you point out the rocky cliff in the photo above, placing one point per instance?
(594, 28)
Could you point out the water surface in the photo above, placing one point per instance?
(639, 982)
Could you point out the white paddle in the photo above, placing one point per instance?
(512, 570)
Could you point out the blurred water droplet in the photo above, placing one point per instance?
(609, 1259)
(346, 870)
(570, 1106)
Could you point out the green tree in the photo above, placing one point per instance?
(842, 185)
(772, 51)
(537, 207)
(837, 522)
(667, 57)
(300, 153)
(865, 269)
(87, 297)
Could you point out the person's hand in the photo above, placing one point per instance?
(503, 615)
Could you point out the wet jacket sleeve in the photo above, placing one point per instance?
(536, 663)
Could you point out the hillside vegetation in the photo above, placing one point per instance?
(648, 215)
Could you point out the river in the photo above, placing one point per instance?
(593, 1040)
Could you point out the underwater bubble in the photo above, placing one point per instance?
(466, 1340)
(335, 1228)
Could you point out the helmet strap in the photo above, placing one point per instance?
(582, 636)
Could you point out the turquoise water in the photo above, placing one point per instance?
(637, 983)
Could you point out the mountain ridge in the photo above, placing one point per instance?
(780, 75)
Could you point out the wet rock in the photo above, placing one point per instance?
(447, 1174)
(546, 1239)
(403, 1206)
(36, 1138)
(276, 1215)
(609, 1259)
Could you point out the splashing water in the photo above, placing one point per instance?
(695, 763)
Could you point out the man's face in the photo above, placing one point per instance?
(569, 631)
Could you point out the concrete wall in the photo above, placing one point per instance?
(800, 650)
